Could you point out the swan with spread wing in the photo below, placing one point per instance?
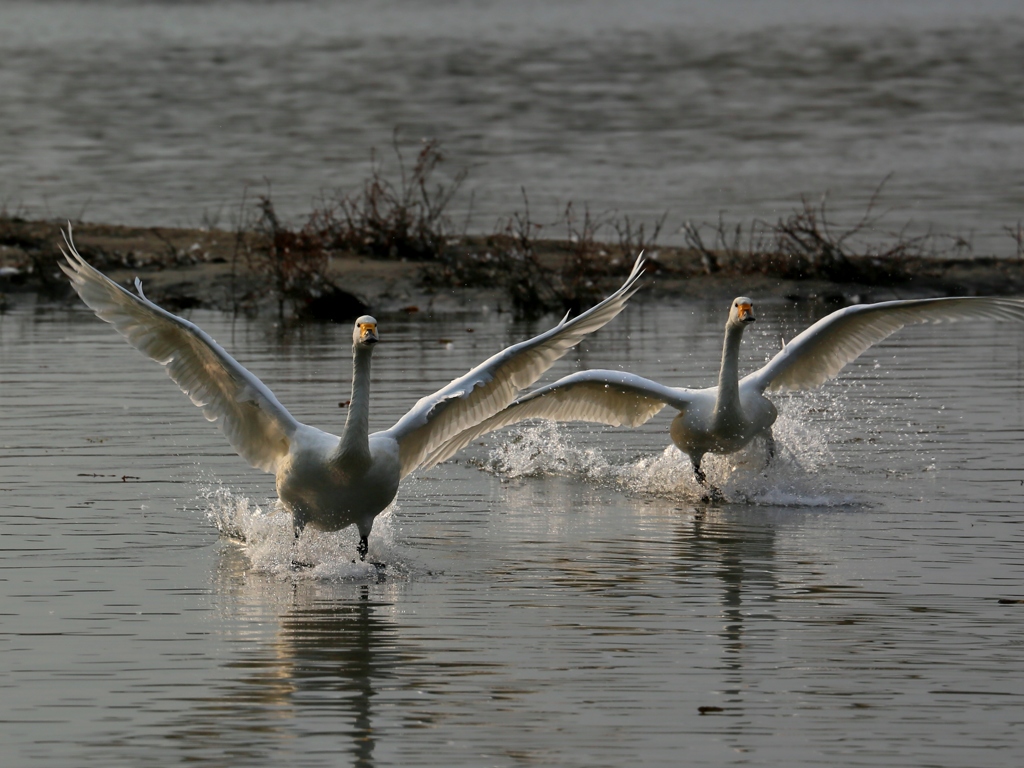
(326, 481)
(725, 418)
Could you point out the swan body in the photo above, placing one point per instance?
(328, 481)
(725, 418)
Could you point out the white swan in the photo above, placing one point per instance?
(326, 481)
(725, 418)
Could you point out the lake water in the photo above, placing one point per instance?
(159, 113)
(554, 597)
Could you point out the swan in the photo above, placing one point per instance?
(725, 418)
(326, 481)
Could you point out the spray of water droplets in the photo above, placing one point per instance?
(793, 478)
(265, 533)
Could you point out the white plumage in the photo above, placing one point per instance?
(725, 418)
(325, 480)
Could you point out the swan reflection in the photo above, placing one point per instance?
(304, 661)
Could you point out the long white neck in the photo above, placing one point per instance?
(727, 405)
(355, 444)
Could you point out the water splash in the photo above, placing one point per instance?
(543, 450)
(793, 478)
(265, 534)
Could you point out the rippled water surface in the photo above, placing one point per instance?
(149, 112)
(554, 597)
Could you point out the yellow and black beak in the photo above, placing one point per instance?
(368, 333)
(745, 312)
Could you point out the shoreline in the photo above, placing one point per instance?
(187, 268)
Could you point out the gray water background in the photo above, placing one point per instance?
(554, 597)
(160, 113)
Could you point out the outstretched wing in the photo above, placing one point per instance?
(604, 397)
(823, 350)
(493, 384)
(252, 419)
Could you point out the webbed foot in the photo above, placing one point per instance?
(714, 494)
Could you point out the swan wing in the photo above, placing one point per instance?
(614, 398)
(823, 350)
(496, 382)
(255, 423)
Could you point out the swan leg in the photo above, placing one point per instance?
(699, 473)
(769, 447)
(362, 548)
(713, 494)
(298, 525)
(298, 521)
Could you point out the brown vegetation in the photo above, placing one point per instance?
(394, 241)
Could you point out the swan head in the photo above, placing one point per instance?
(365, 332)
(741, 312)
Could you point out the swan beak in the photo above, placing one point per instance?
(745, 313)
(368, 333)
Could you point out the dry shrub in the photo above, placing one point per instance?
(292, 266)
(386, 220)
(808, 244)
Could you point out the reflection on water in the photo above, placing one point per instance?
(553, 597)
(740, 557)
(308, 662)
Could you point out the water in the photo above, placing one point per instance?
(554, 597)
(159, 113)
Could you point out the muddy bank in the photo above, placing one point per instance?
(184, 268)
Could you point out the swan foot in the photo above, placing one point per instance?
(714, 493)
(362, 548)
(769, 447)
(379, 571)
(379, 567)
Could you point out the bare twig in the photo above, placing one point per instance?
(633, 237)
(695, 241)
(407, 221)
(1017, 234)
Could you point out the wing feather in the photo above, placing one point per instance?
(248, 414)
(614, 398)
(823, 350)
(496, 382)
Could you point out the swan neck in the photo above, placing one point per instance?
(728, 400)
(355, 442)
